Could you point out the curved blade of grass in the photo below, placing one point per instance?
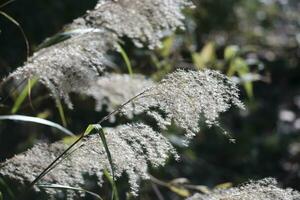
(61, 111)
(64, 187)
(88, 130)
(113, 185)
(111, 179)
(11, 19)
(6, 3)
(126, 59)
(60, 37)
(25, 118)
(5, 186)
(26, 92)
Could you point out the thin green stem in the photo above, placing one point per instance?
(11, 19)
(6, 3)
(115, 195)
(89, 129)
(126, 59)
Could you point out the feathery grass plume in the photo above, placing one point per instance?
(144, 21)
(183, 96)
(265, 189)
(69, 66)
(133, 147)
(112, 90)
(186, 97)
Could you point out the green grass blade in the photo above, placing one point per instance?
(60, 37)
(11, 19)
(26, 91)
(25, 118)
(112, 183)
(112, 180)
(61, 111)
(6, 3)
(5, 186)
(64, 187)
(126, 59)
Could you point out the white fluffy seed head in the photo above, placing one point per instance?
(72, 65)
(265, 189)
(143, 21)
(133, 148)
(68, 66)
(186, 97)
(112, 90)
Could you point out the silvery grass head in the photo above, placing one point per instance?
(133, 147)
(68, 66)
(146, 22)
(73, 65)
(265, 189)
(185, 97)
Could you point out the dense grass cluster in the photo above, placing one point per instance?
(140, 110)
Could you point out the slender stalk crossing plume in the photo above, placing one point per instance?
(72, 65)
(183, 97)
(132, 146)
(186, 97)
(265, 189)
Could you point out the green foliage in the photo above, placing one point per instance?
(61, 112)
(206, 57)
(26, 92)
(11, 19)
(115, 195)
(126, 59)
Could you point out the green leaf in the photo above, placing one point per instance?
(126, 59)
(113, 185)
(224, 186)
(1, 197)
(6, 3)
(25, 118)
(60, 37)
(239, 66)
(242, 70)
(26, 92)
(11, 19)
(181, 191)
(64, 187)
(231, 52)
(205, 57)
(7, 189)
(112, 181)
(61, 111)
(92, 127)
(167, 45)
(202, 188)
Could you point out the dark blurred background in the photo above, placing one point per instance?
(254, 41)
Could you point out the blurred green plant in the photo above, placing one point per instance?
(25, 92)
